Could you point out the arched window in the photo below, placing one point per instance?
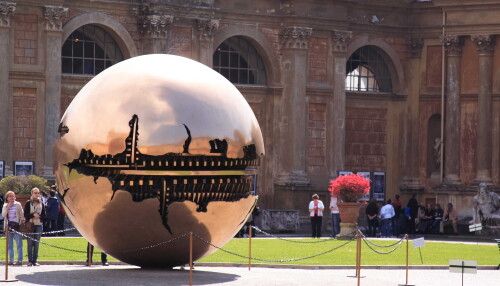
(367, 71)
(89, 50)
(238, 61)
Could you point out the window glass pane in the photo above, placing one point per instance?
(78, 49)
(88, 51)
(66, 49)
(66, 65)
(88, 66)
(78, 66)
(99, 66)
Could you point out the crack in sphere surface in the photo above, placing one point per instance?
(151, 149)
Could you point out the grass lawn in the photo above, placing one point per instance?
(433, 253)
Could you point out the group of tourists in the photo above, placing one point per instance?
(42, 212)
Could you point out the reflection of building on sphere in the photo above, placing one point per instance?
(486, 207)
(184, 163)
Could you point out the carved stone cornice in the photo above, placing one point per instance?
(207, 28)
(7, 9)
(156, 26)
(453, 45)
(340, 40)
(295, 37)
(54, 17)
(485, 44)
(414, 47)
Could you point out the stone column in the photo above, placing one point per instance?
(7, 9)
(293, 135)
(411, 181)
(336, 106)
(53, 39)
(453, 45)
(206, 29)
(485, 48)
(155, 30)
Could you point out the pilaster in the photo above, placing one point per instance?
(155, 29)
(485, 48)
(7, 10)
(54, 17)
(206, 29)
(453, 46)
(294, 48)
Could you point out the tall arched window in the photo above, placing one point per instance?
(89, 50)
(238, 61)
(367, 71)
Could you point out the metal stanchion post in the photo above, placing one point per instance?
(191, 258)
(249, 248)
(406, 284)
(7, 257)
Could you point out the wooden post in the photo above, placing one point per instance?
(249, 247)
(90, 251)
(7, 256)
(191, 258)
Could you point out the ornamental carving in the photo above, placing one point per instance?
(340, 40)
(156, 26)
(453, 44)
(295, 37)
(54, 17)
(7, 9)
(414, 47)
(485, 44)
(207, 27)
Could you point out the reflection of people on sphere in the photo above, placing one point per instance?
(316, 208)
(486, 207)
(335, 216)
(34, 211)
(13, 213)
(449, 217)
(90, 253)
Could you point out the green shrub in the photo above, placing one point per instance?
(22, 184)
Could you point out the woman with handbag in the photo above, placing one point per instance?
(34, 212)
(13, 212)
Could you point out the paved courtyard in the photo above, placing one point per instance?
(204, 275)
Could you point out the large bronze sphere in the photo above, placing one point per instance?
(151, 149)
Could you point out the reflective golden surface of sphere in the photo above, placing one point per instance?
(151, 149)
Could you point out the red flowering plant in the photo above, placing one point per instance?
(349, 188)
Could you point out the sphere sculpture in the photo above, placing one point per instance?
(151, 149)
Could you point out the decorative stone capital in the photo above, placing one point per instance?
(295, 37)
(54, 17)
(207, 27)
(156, 26)
(485, 44)
(340, 40)
(414, 47)
(7, 9)
(453, 45)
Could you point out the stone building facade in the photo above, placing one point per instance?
(374, 86)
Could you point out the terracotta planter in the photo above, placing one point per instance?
(349, 212)
(22, 199)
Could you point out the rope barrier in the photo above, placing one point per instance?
(351, 234)
(50, 232)
(270, 260)
(48, 244)
(380, 252)
(378, 245)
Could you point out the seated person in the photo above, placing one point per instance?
(437, 214)
(449, 218)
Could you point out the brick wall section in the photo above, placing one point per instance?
(316, 159)
(366, 139)
(24, 123)
(25, 39)
(180, 41)
(318, 56)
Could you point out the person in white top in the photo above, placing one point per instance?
(386, 215)
(335, 217)
(316, 208)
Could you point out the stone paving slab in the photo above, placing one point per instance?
(203, 275)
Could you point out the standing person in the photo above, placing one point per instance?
(413, 213)
(386, 215)
(335, 217)
(449, 217)
(316, 208)
(60, 220)
(52, 212)
(372, 216)
(90, 252)
(13, 213)
(396, 204)
(34, 211)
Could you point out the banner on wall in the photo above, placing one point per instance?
(377, 187)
